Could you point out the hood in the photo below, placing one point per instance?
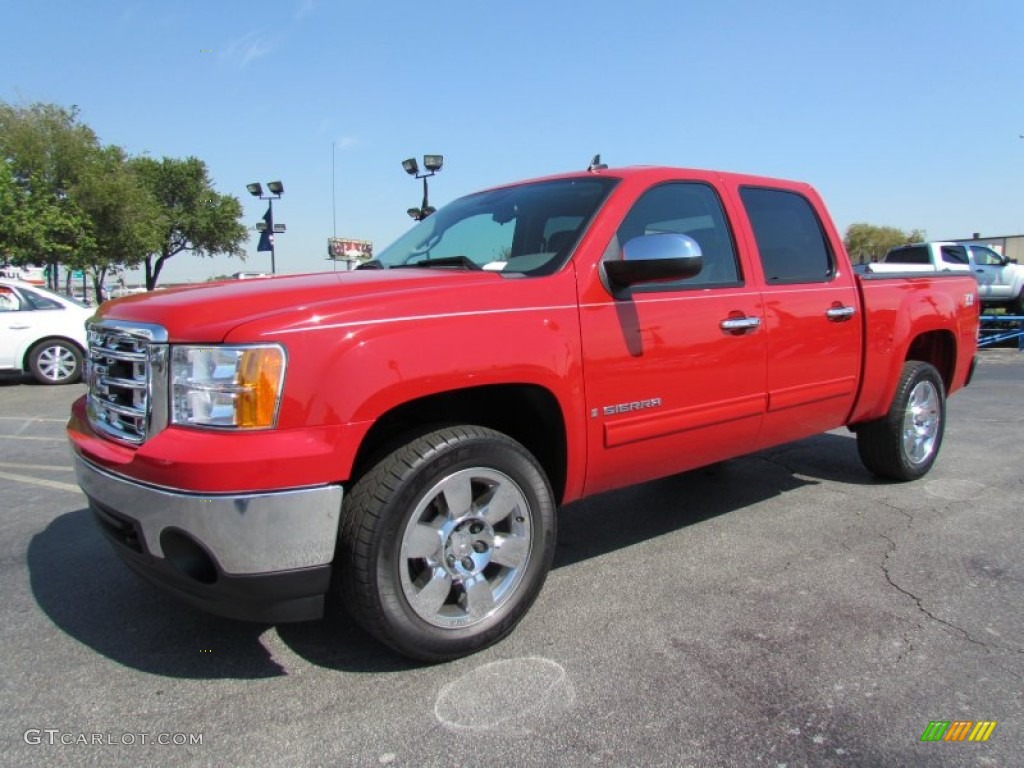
(210, 311)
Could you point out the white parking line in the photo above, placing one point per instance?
(31, 418)
(32, 437)
(55, 485)
(44, 467)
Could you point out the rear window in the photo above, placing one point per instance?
(954, 254)
(790, 239)
(911, 254)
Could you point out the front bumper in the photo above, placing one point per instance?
(256, 556)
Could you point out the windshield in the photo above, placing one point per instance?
(527, 229)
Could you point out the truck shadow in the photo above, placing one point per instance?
(89, 594)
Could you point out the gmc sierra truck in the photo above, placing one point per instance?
(397, 439)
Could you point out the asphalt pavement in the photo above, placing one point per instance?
(784, 609)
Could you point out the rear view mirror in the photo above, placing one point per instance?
(655, 258)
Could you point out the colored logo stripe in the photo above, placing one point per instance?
(982, 731)
(935, 731)
(958, 730)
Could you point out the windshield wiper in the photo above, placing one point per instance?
(444, 261)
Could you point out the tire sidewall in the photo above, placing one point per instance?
(498, 453)
(45, 344)
(920, 372)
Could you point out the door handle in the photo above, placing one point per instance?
(739, 325)
(839, 314)
(18, 327)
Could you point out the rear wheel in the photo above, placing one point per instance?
(55, 361)
(1017, 307)
(446, 542)
(903, 444)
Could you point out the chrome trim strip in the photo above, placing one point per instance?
(150, 332)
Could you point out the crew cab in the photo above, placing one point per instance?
(1000, 280)
(397, 439)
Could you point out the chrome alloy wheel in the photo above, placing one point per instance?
(921, 422)
(57, 363)
(465, 549)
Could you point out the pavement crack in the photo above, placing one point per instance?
(890, 551)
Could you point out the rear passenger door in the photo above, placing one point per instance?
(811, 316)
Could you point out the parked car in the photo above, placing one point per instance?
(42, 332)
(1000, 280)
(397, 438)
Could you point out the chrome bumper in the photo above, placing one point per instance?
(244, 534)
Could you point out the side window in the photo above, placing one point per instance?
(954, 254)
(691, 209)
(986, 257)
(8, 300)
(38, 301)
(790, 239)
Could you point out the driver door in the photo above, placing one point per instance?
(668, 386)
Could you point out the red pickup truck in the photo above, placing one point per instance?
(397, 439)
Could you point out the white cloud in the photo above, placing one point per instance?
(303, 8)
(245, 49)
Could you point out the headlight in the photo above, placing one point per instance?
(236, 387)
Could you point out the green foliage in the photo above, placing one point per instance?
(124, 215)
(867, 242)
(65, 199)
(44, 150)
(192, 216)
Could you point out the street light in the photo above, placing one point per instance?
(267, 228)
(433, 164)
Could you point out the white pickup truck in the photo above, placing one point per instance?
(1000, 280)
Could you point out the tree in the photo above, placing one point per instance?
(125, 217)
(192, 216)
(867, 242)
(45, 150)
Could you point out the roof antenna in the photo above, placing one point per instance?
(596, 164)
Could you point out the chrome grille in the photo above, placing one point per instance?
(126, 371)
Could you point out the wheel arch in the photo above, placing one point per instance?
(938, 348)
(528, 413)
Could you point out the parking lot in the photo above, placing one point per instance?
(784, 609)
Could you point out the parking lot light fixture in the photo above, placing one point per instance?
(433, 164)
(267, 228)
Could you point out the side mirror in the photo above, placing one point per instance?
(655, 258)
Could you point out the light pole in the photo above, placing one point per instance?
(433, 164)
(267, 228)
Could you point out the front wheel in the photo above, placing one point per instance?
(446, 542)
(903, 444)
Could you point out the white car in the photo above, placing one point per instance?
(41, 332)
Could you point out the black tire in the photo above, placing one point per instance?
(904, 443)
(55, 361)
(446, 542)
(1017, 307)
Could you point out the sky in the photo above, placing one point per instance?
(901, 113)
